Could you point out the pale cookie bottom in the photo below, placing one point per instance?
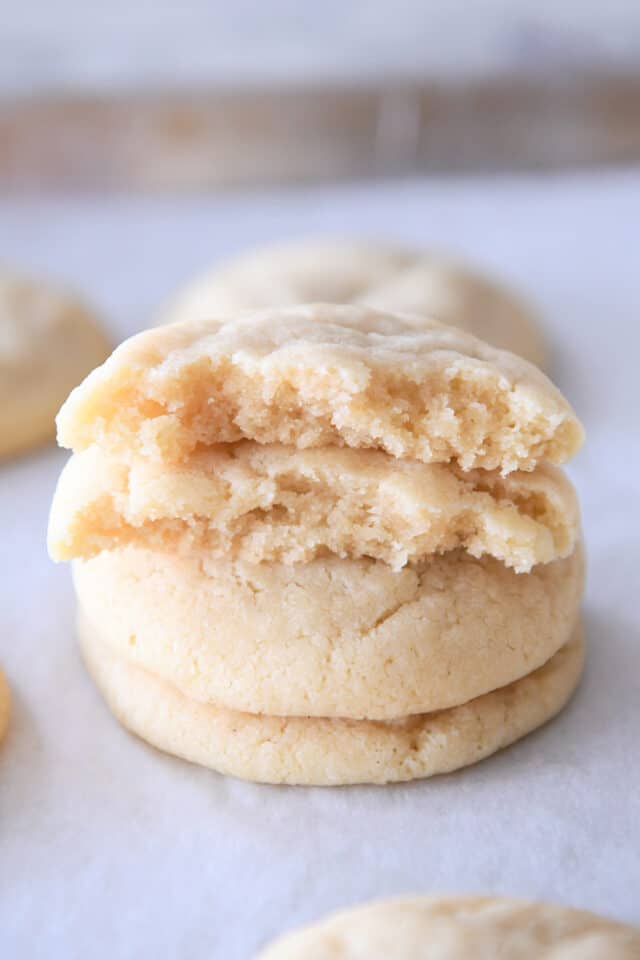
(5, 705)
(459, 928)
(323, 752)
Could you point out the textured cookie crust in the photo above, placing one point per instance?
(333, 638)
(322, 375)
(5, 705)
(49, 341)
(257, 503)
(380, 275)
(297, 750)
(459, 928)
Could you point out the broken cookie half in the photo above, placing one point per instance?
(322, 375)
(276, 503)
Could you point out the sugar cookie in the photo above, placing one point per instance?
(313, 751)
(380, 275)
(335, 638)
(49, 341)
(322, 375)
(257, 503)
(459, 928)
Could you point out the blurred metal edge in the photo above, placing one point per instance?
(178, 141)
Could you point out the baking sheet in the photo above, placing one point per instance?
(110, 849)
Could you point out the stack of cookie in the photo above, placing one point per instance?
(321, 544)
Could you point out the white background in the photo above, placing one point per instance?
(111, 850)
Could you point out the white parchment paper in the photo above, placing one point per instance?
(111, 850)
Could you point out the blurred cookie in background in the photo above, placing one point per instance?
(380, 275)
(49, 340)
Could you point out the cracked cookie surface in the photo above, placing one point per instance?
(325, 752)
(334, 638)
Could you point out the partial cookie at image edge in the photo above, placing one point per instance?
(5, 705)
(458, 928)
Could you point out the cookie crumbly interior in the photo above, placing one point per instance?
(258, 503)
(319, 376)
